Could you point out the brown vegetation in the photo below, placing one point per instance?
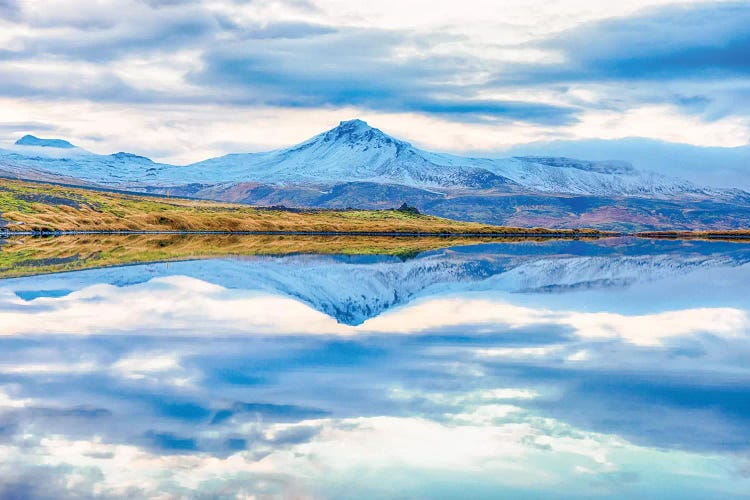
(27, 206)
(24, 256)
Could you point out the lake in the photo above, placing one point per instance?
(520, 369)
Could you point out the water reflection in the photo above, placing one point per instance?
(614, 368)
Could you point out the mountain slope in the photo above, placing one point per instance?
(57, 160)
(353, 151)
(712, 166)
(356, 152)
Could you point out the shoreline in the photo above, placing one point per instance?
(569, 234)
(530, 234)
(697, 235)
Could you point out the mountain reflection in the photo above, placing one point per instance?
(610, 368)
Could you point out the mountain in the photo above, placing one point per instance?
(58, 160)
(30, 140)
(356, 165)
(356, 152)
(351, 152)
(713, 166)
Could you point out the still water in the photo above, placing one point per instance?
(609, 368)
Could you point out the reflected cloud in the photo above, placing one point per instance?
(512, 449)
(644, 330)
(175, 303)
(186, 306)
(486, 370)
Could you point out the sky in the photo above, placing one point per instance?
(184, 80)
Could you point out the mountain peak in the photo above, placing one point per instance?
(358, 132)
(130, 157)
(30, 140)
(354, 124)
(353, 128)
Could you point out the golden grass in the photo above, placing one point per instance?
(25, 256)
(29, 206)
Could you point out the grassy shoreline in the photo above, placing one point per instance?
(34, 208)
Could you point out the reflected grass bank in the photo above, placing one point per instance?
(27, 256)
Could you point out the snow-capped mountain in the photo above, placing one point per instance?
(603, 178)
(356, 165)
(32, 141)
(351, 152)
(357, 152)
(58, 160)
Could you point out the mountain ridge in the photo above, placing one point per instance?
(31, 140)
(356, 152)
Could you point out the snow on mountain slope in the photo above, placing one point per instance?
(47, 159)
(566, 175)
(30, 140)
(353, 152)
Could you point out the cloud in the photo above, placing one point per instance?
(360, 67)
(462, 81)
(237, 61)
(703, 41)
(18, 127)
(9, 9)
(693, 57)
(279, 30)
(109, 38)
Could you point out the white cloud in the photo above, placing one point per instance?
(663, 123)
(475, 31)
(189, 306)
(503, 447)
(185, 133)
(174, 304)
(48, 368)
(7, 400)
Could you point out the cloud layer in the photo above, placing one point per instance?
(458, 77)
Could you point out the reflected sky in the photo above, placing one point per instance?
(557, 369)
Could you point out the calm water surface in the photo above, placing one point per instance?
(524, 370)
